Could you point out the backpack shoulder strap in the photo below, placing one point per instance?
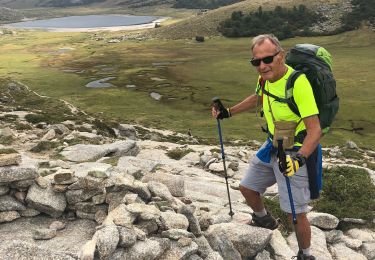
(262, 83)
(289, 91)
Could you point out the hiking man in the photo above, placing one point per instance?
(304, 133)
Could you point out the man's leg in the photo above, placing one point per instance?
(253, 199)
(303, 230)
(260, 217)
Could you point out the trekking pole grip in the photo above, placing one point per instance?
(218, 104)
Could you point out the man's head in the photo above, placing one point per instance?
(268, 57)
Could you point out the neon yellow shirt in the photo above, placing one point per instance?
(303, 96)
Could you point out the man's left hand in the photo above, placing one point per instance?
(293, 163)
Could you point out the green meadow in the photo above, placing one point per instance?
(187, 74)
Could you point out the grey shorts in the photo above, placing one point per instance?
(260, 175)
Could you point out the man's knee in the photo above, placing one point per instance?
(248, 192)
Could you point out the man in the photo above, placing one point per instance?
(264, 171)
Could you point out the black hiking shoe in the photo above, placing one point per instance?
(267, 221)
(301, 256)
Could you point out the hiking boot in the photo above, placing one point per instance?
(301, 256)
(267, 221)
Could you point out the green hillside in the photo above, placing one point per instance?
(186, 74)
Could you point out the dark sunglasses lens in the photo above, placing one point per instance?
(255, 63)
(268, 60)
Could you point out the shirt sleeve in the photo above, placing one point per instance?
(304, 97)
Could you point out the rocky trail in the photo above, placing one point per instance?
(136, 196)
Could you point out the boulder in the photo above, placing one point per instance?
(46, 200)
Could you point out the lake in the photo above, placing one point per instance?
(75, 23)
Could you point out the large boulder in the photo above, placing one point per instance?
(46, 200)
(246, 239)
(91, 152)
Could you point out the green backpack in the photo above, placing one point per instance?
(316, 63)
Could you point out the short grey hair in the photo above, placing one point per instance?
(261, 38)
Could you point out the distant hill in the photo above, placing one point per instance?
(22, 4)
(206, 24)
(8, 15)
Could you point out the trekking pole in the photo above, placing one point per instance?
(219, 105)
(282, 158)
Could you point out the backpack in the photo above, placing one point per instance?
(316, 63)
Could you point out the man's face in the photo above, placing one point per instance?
(274, 70)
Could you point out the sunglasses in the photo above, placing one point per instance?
(266, 60)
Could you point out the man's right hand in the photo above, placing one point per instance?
(225, 113)
(218, 110)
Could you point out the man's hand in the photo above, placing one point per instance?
(218, 110)
(225, 113)
(293, 163)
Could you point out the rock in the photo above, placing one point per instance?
(46, 200)
(23, 250)
(44, 234)
(204, 248)
(8, 216)
(176, 234)
(221, 242)
(75, 196)
(57, 225)
(107, 240)
(368, 250)
(49, 135)
(144, 250)
(175, 184)
(351, 145)
(340, 251)
(323, 220)
(122, 217)
(8, 203)
(10, 159)
(365, 235)
(246, 239)
(172, 220)
(318, 243)
(160, 190)
(354, 221)
(29, 212)
(194, 226)
(180, 252)
(3, 190)
(264, 255)
(128, 237)
(280, 246)
(62, 176)
(184, 241)
(144, 212)
(42, 182)
(17, 173)
(145, 165)
(82, 170)
(90, 152)
(128, 131)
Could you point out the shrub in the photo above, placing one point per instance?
(347, 192)
(284, 23)
(7, 151)
(37, 118)
(43, 146)
(6, 140)
(178, 153)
